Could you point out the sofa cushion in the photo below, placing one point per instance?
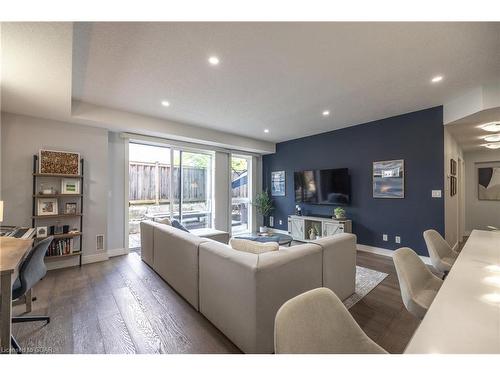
(176, 224)
(253, 247)
(166, 221)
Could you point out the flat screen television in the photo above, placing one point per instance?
(323, 186)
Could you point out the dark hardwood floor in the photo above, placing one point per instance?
(122, 306)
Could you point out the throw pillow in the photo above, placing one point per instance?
(176, 224)
(253, 247)
(165, 221)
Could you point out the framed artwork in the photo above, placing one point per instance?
(488, 182)
(278, 184)
(59, 162)
(41, 232)
(70, 186)
(453, 186)
(453, 167)
(389, 179)
(70, 208)
(47, 206)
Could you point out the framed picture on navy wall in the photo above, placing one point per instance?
(278, 184)
(389, 179)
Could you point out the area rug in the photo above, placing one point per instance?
(366, 281)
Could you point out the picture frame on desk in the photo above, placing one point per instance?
(41, 232)
(47, 206)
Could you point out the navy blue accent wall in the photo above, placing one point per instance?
(416, 137)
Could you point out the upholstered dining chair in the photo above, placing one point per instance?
(418, 284)
(441, 254)
(31, 272)
(318, 322)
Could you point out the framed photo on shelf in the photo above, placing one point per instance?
(70, 208)
(70, 186)
(41, 232)
(59, 162)
(47, 206)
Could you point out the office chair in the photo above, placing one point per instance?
(31, 272)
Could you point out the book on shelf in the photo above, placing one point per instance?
(59, 247)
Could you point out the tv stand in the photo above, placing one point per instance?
(299, 227)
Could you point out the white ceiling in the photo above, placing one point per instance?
(280, 76)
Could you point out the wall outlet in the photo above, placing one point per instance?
(281, 222)
(384, 237)
(271, 221)
(436, 193)
(398, 239)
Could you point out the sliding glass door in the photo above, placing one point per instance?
(240, 194)
(167, 182)
(149, 187)
(196, 186)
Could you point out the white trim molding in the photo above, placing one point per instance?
(387, 252)
(117, 252)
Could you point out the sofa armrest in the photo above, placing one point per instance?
(213, 234)
(339, 263)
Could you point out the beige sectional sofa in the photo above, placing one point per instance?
(241, 292)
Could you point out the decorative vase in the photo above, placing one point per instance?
(312, 234)
(340, 217)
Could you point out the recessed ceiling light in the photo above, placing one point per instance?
(492, 146)
(165, 103)
(437, 79)
(492, 138)
(266, 130)
(326, 113)
(213, 60)
(491, 127)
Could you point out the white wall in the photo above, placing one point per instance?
(452, 205)
(479, 214)
(22, 137)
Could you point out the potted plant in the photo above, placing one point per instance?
(339, 213)
(264, 206)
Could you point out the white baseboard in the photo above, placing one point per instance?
(387, 252)
(93, 258)
(117, 252)
(73, 261)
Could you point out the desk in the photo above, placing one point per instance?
(12, 253)
(465, 315)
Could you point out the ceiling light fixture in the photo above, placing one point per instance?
(165, 103)
(491, 126)
(437, 79)
(213, 60)
(266, 130)
(492, 146)
(326, 113)
(492, 138)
